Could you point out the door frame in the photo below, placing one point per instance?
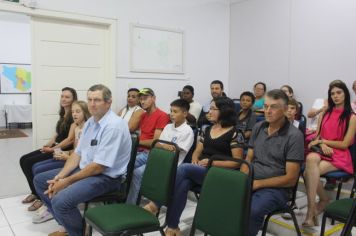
(109, 23)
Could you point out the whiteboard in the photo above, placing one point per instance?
(156, 50)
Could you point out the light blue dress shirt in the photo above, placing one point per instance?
(106, 142)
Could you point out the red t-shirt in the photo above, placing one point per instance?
(150, 122)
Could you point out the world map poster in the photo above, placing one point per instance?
(15, 78)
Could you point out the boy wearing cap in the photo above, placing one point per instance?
(151, 125)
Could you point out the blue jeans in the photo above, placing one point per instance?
(46, 165)
(188, 175)
(64, 204)
(140, 165)
(263, 202)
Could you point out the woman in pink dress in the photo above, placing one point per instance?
(336, 132)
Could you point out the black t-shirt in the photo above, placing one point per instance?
(62, 130)
(221, 145)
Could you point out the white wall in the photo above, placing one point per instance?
(15, 48)
(303, 43)
(206, 26)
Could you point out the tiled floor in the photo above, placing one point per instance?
(15, 220)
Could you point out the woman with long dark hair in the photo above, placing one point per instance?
(220, 138)
(132, 111)
(63, 139)
(335, 134)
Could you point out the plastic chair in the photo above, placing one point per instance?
(157, 185)
(224, 209)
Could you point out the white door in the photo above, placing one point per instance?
(67, 53)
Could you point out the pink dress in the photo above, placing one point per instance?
(332, 130)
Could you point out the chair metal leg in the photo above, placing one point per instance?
(338, 190)
(265, 225)
(84, 223)
(322, 229)
(351, 221)
(296, 226)
(353, 189)
(192, 229)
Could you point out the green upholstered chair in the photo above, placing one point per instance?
(224, 203)
(121, 194)
(343, 210)
(157, 185)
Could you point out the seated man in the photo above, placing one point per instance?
(276, 149)
(216, 90)
(95, 167)
(151, 125)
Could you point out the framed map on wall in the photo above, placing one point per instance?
(15, 78)
(156, 50)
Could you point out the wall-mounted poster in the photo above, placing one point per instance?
(15, 78)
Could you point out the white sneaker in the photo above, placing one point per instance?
(40, 210)
(40, 218)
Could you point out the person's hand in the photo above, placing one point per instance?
(56, 185)
(203, 162)
(328, 151)
(47, 149)
(195, 161)
(62, 156)
(309, 131)
(168, 147)
(255, 185)
(323, 109)
(314, 142)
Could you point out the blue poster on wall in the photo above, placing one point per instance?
(15, 78)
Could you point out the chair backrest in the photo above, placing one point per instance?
(352, 149)
(159, 176)
(237, 105)
(131, 164)
(224, 204)
(188, 157)
(260, 118)
(303, 124)
(351, 221)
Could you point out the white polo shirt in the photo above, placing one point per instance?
(183, 136)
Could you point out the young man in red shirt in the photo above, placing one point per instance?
(151, 125)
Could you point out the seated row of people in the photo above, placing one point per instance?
(98, 156)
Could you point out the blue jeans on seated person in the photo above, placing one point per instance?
(47, 165)
(263, 202)
(63, 205)
(188, 175)
(140, 165)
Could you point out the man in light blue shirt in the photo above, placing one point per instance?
(94, 168)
